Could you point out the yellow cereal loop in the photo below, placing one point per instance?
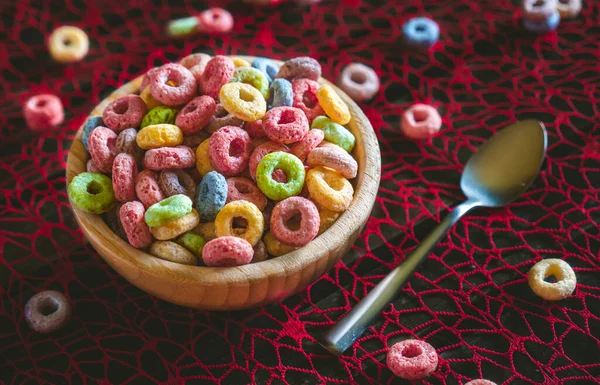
(203, 164)
(333, 105)
(243, 101)
(328, 217)
(329, 188)
(159, 135)
(276, 248)
(239, 62)
(149, 99)
(68, 44)
(245, 210)
(175, 228)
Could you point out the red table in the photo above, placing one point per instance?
(470, 300)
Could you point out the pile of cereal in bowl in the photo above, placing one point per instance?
(220, 162)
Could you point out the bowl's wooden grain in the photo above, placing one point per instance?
(244, 286)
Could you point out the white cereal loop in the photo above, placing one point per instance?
(68, 44)
(565, 279)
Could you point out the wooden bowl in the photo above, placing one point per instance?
(232, 288)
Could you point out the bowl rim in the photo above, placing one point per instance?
(352, 220)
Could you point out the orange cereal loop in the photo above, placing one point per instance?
(276, 248)
(176, 227)
(68, 44)
(243, 101)
(333, 105)
(329, 188)
(159, 135)
(147, 97)
(203, 164)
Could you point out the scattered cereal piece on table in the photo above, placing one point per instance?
(43, 112)
(548, 25)
(215, 20)
(420, 121)
(68, 44)
(183, 27)
(552, 291)
(412, 359)
(47, 311)
(421, 32)
(539, 10)
(360, 82)
(480, 382)
(569, 9)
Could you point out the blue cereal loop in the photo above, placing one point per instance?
(89, 126)
(267, 66)
(211, 195)
(421, 32)
(548, 25)
(281, 93)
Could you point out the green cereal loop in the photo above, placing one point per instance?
(92, 192)
(254, 77)
(159, 115)
(168, 210)
(334, 132)
(291, 166)
(193, 242)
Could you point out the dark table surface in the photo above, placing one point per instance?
(470, 300)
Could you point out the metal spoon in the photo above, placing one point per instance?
(498, 173)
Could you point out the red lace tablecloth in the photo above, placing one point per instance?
(470, 300)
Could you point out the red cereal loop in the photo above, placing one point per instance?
(309, 221)
(305, 98)
(138, 233)
(310, 142)
(196, 114)
(218, 72)
(227, 251)
(215, 20)
(285, 125)
(244, 189)
(196, 63)
(101, 146)
(43, 112)
(147, 189)
(124, 112)
(169, 157)
(147, 77)
(260, 152)
(229, 150)
(173, 95)
(124, 173)
(412, 359)
(255, 129)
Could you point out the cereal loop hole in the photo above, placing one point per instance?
(40, 103)
(420, 28)
(286, 117)
(121, 107)
(66, 41)
(539, 3)
(246, 96)
(294, 221)
(412, 351)
(241, 187)
(420, 115)
(47, 307)
(94, 188)
(309, 99)
(358, 77)
(236, 149)
(553, 274)
(564, 1)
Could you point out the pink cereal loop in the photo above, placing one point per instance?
(334, 158)
(480, 382)
(176, 95)
(196, 114)
(218, 72)
(260, 152)
(309, 222)
(124, 173)
(90, 166)
(215, 20)
(285, 125)
(43, 111)
(147, 189)
(131, 216)
(305, 98)
(227, 251)
(412, 359)
(360, 82)
(169, 157)
(101, 146)
(124, 112)
(196, 63)
(255, 129)
(229, 150)
(147, 77)
(421, 121)
(245, 189)
(310, 142)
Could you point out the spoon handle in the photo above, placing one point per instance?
(350, 327)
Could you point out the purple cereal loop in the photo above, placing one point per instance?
(127, 144)
(124, 173)
(47, 311)
(309, 221)
(138, 233)
(334, 158)
(360, 82)
(260, 253)
(420, 121)
(196, 63)
(169, 95)
(303, 67)
(174, 182)
(227, 251)
(260, 152)
(196, 114)
(124, 112)
(169, 157)
(222, 118)
(229, 150)
(310, 142)
(412, 359)
(101, 145)
(245, 189)
(147, 189)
